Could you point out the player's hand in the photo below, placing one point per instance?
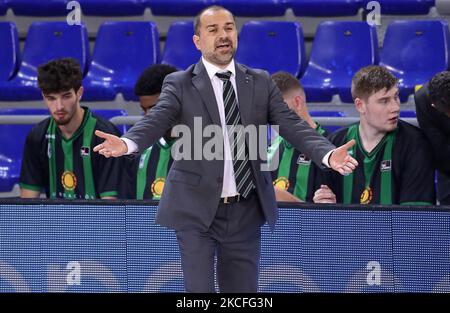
(324, 195)
(341, 161)
(113, 146)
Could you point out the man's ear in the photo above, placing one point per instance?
(359, 105)
(80, 92)
(196, 40)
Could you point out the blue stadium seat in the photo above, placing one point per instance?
(408, 114)
(45, 41)
(254, 7)
(179, 50)
(122, 51)
(329, 128)
(404, 7)
(110, 113)
(39, 8)
(12, 140)
(324, 7)
(3, 7)
(113, 8)
(10, 51)
(273, 46)
(339, 50)
(414, 51)
(178, 7)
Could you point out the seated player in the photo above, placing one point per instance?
(146, 173)
(294, 178)
(395, 164)
(58, 157)
(433, 115)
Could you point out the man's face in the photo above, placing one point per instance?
(381, 110)
(148, 102)
(63, 105)
(217, 38)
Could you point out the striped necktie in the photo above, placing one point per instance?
(239, 151)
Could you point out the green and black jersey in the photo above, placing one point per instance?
(68, 168)
(295, 174)
(397, 171)
(146, 173)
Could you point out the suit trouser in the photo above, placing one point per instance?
(235, 237)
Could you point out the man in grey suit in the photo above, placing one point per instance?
(217, 207)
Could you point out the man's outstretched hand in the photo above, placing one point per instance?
(341, 161)
(113, 146)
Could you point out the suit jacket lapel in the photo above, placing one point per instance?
(244, 85)
(202, 83)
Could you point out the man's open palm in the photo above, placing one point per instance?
(113, 146)
(341, 161)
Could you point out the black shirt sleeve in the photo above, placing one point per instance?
(33, 175)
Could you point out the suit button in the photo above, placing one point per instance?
(219, 180)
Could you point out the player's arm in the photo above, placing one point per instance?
(285, 196)
(109, 198)
(28, 193)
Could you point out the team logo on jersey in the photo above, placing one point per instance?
(385, 165)
(85, 151)
(303, 159)
(68, 180)
(366, 196)
(158, 186)
(282, 183)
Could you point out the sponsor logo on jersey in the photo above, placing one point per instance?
(158, 186)
(68, 180)
(386, 165)
(85, 151)
(282, 183)
(303, 159)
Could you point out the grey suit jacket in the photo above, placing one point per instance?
(193, 187)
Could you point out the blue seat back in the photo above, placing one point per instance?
(122, 50)
(3, 7)
(179, 49)
(10, 51)
(340, 49)
(416, 50)
(39, 8)
(273, 46)
(254, 7)
(324, 7)
(51, 40)
(411, 114)
(404, 7)
(112, 8)
(178, 7)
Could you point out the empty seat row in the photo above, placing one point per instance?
(413, 50)
(192, 7)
